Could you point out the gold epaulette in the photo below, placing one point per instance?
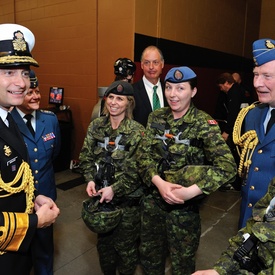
(245, 143)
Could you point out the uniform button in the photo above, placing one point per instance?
(36, 171)
(260, 151)
(36, 160)
(36, 182)
(35, 149)
(250, 205)
(252, 187)
(256, 169)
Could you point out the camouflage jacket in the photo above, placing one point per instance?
(263, 231)
(198, 154)
(122, 146)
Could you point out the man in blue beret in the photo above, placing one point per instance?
(178, 142)
(257, 144)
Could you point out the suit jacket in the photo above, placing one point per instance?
(234, 101)
(43, 148)
(262, 168)
(143, 106)
(20, 226)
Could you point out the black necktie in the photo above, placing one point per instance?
(11, 123)
(28, 117)
(271, 121)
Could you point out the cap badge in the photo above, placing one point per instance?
(119, 88)
(269, 44)
(178, 75)
(19, 43)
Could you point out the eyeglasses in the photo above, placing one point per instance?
(32, 92)
(147, 63)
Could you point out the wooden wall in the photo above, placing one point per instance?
(77, 42)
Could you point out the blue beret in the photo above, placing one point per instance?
(179, 74)
(33, 79)
(120, 88)
(263, 51)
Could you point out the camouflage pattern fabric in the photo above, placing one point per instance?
(207, 162)
(175, 232)
(117, 248)
(265, 233)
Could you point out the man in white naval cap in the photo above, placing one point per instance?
(22, 211)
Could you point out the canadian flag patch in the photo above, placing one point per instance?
(212, 122)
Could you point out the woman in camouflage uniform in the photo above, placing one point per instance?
(181, 158)
(108, 161)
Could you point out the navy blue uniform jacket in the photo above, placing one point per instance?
(262, 168)
(43, 148)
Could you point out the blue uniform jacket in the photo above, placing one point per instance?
(43, 149)
(262, 168)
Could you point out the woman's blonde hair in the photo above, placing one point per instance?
(129, 109)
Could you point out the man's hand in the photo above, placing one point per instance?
(46, 211)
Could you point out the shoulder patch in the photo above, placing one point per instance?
(212, 122)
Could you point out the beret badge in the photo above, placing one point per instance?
(119, 88)
(178, 75)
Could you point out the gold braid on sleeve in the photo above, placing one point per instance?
(27, 185)
(245, 143)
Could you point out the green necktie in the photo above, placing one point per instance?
(156, 103)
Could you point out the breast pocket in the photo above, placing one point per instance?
(49, 145)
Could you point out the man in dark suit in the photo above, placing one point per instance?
(43, 143)
(20, 211)
(152, 63)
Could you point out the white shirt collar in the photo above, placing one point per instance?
(3, 114)
(148, 84)
(23, 114)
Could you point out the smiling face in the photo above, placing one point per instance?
(13, 86)
(152, 64)
(116, 105)
(179, 97)
(264, 82)
(31, 101)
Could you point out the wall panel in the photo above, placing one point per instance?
(77, 41)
